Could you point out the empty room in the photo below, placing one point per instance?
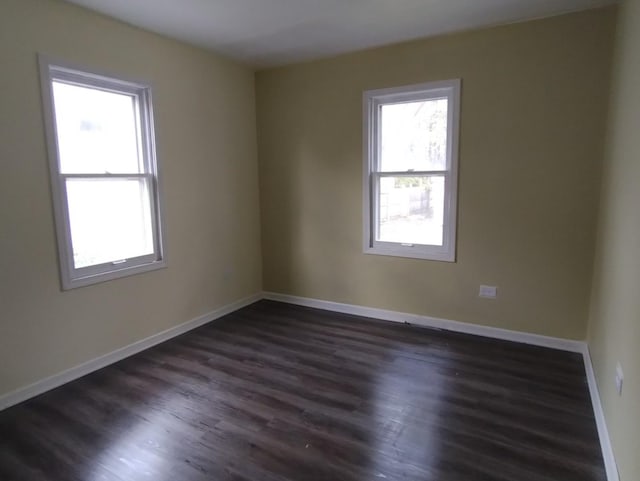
(292, 240)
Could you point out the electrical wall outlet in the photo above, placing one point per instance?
(619, 379)
(489, 292)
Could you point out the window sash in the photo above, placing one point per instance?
(375, 214)
(377, 102)
(96, 269)
(142, 101)
(141, 104)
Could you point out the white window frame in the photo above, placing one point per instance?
(70, 276)
(373, 100)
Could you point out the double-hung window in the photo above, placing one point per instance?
(104, 175)
(410, 173)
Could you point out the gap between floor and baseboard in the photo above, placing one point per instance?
(485, 331)
(39, 387)
(52, 382)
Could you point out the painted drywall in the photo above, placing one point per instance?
(206, 144)
(534, 101)
(614, 327)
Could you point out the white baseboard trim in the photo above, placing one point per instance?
(432, 322)
(44, 385)
(485, 331)
(605, 441)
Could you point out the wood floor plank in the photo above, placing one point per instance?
(276, 392)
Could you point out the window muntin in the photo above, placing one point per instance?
(104, 175)
(410, 181)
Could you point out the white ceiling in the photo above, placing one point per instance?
(275, 32)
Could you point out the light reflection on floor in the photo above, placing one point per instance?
(409, 435)
(141, 453)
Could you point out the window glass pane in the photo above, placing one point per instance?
(97, 130)
(411, 210)
(414, 136)
(110, 220)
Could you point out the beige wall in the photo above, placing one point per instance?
(534, 103)
(614, 328)
(205, 126)
(533, 109)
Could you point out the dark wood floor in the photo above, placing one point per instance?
(275, 392)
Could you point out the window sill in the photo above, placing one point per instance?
(68, 284)
(422, 253)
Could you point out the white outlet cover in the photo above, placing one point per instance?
(619, 378)
(489, 292)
